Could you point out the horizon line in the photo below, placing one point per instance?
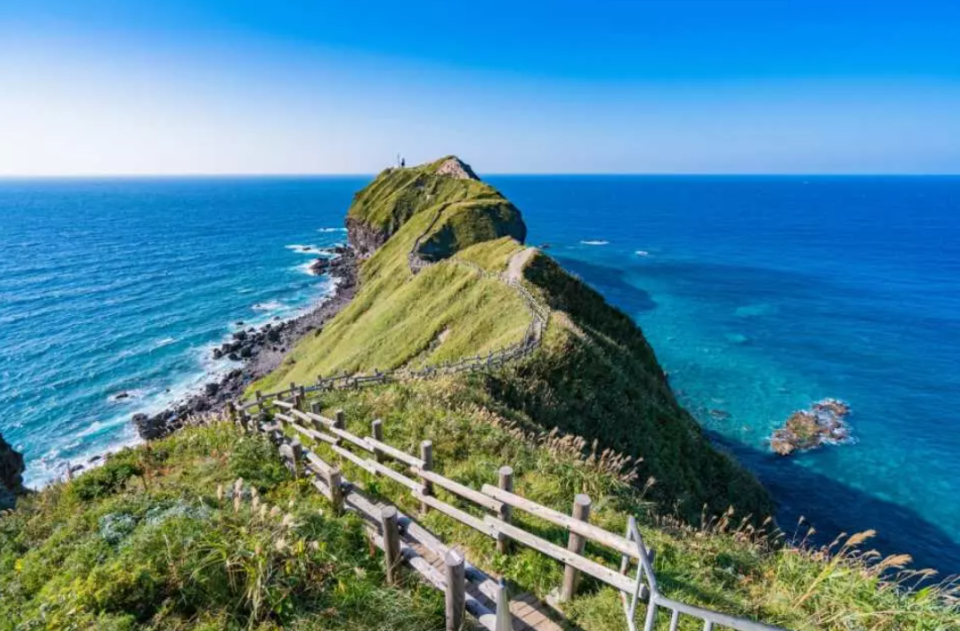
(237, 175)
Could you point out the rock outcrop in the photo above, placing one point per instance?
(456, 168)
(11, 475)
(364, 237)
(822, 424)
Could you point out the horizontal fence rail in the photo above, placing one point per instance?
(532, 338)
(496, 503)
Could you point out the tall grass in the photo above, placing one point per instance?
(203, 530)
(727, 562)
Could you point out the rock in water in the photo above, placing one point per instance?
(822, 424)
(11, 475)
(150, 428)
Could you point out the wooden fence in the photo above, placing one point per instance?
(634, 579)
(533, 336)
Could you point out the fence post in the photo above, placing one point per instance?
(315, 407)
(571, 576)
(377, 428)
(335, 480)
(506, 483)
(453, 562)
(291, 452)
(245, 420)
(426, 454)
(504, 619)
(302, 404)
(259, 401)
(231, 412)
(391, 543)
(338, 421)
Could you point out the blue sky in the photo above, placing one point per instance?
(778, 86)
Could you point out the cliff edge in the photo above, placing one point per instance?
(446, 276)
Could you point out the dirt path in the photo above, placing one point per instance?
(517, 262)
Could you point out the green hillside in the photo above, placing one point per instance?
(595, 375)
(205, 530)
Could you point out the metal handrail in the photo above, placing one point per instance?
(656, 599)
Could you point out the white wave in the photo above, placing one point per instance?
(331, 230)
(595, 242)
(306, 268)
(270, 305)
(642, 253)
(299, 248)
(167, 341)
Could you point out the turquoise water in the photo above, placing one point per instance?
(763, 295)
(760, 296)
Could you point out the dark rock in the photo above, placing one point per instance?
(11, 476)
(320, 266)
(239, 322)
(233, 357)
(217, 353)
(120, 396)
(240, 335)
(246, 352)
(365, 239)
(149, 427)
(211, 388)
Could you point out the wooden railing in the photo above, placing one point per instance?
(532, 338)
(498, 502)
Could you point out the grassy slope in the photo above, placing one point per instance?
(596, 375)
(725, 564)
(479, 211)
(147, 542)
(397, 318)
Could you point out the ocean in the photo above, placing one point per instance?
(760, 295)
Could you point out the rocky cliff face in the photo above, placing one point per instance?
(11, 475)
(365, 238)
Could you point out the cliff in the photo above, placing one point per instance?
(11, 475)
(447, 185)
(206, 529)
(442, 249)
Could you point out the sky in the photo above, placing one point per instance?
(102, 87)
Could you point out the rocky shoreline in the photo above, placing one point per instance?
(261, 350)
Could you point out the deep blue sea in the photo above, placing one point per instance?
(761, 295)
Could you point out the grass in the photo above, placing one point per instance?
(726, 563)
(595, 376)
(492, 255)
(203, 530)
(396, 195)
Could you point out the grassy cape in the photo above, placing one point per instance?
(165, 537)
